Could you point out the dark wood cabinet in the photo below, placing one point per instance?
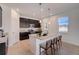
(25, 23)
(2, 48)
(24, 35)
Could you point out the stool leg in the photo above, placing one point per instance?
(57, 45)
(40, 50)
(60, 43)
(53, 48)
(46, 52)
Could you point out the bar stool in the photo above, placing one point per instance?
(59, 41)
(54, 45)
(45, 46)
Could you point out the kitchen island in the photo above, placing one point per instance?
(36, 41)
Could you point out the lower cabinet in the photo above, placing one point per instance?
(2, 48)
(24, 36)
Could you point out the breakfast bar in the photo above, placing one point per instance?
(36, 41)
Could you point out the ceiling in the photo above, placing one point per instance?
(37, 11)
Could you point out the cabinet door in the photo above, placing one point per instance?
(14, 32)
(0, 17)
(2, 49)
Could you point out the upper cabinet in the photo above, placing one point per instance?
(0, 17)
(26, 23)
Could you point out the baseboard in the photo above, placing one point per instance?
(70, 42)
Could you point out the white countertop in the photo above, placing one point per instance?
(43, 39)
(27, 29)
(3, 39)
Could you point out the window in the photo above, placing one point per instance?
(63, 24)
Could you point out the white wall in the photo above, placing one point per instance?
(52, 25)
(73, 34)
(10, 24)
